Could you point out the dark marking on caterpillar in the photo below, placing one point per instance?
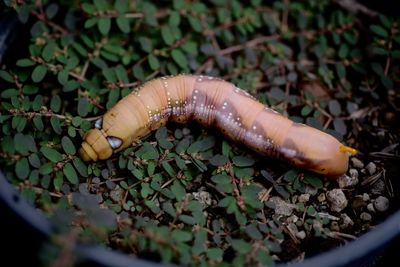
(216, 103)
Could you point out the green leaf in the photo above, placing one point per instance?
(51, 10)
(30, 89)
(101, 4)
(181, 236)
(313, 180)
(195, 23)
(221, 179)
(25, 62)
(178, 190)
(55, 103)
(219, 160)
(146, 190)
(67, 145)
(22, 168)
(48, 50)
(179, 58)
(241, 246)
(227, 201)
(123, 24)
(51, 154)
(18, 123)
(37, 103)
(377, 68)
(80, 167)
(334, 107)
(241, 161)
(6, 76)
(8, 93)
(387, 82)
(174, 19)
(147, 152)
(306, 110)
(379, 31)
(46, 168)
(253, 232)
(154, 63)
(83, 106)
(243, 173)
(91, 22)
(215, 254)
(34, 160)
(187, 219)
(38, 73)
(104, 25)
(167, 35)
(340, 70)
(182, 146)
(58, 180)
(146, 44)
(21, 143)
(122, 6)
(169, 209)
(178, 4)
(62, 77)
(168, 168)
(70, 173)
(55, 123)
(250, 196)
(138, 72)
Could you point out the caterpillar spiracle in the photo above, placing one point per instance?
(214, 102)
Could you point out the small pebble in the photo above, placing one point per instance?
(371, 168)
(116, 194)
(346, 221)
(337, 200)
(83, 189)
(311, 190)
(365, 216)
(366, 197)
(293, 218)
(381, 204)
(110, 184)
(304, 198)
(105, 173)
(378, 188)
(357, 163)
(321, 197)
(282, 207)
(370, 208)
(66, 189)
(353, 173)
(96, 180)
(301, 234)
(346, 181)
(203, 197)
(185, 131)
(292, 228)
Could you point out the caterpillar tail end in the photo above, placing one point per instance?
(348, 149)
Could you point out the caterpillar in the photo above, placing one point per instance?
(214, 102)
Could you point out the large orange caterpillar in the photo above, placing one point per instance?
(214, 102)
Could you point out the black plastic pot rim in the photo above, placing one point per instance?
(363, 247)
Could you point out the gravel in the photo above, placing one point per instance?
(337, 200)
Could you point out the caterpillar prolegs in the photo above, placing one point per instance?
(214, 102)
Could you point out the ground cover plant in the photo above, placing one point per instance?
(184, 194)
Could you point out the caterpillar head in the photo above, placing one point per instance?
(317, 151)
(97, 145)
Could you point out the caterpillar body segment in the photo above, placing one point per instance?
(216, 103)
